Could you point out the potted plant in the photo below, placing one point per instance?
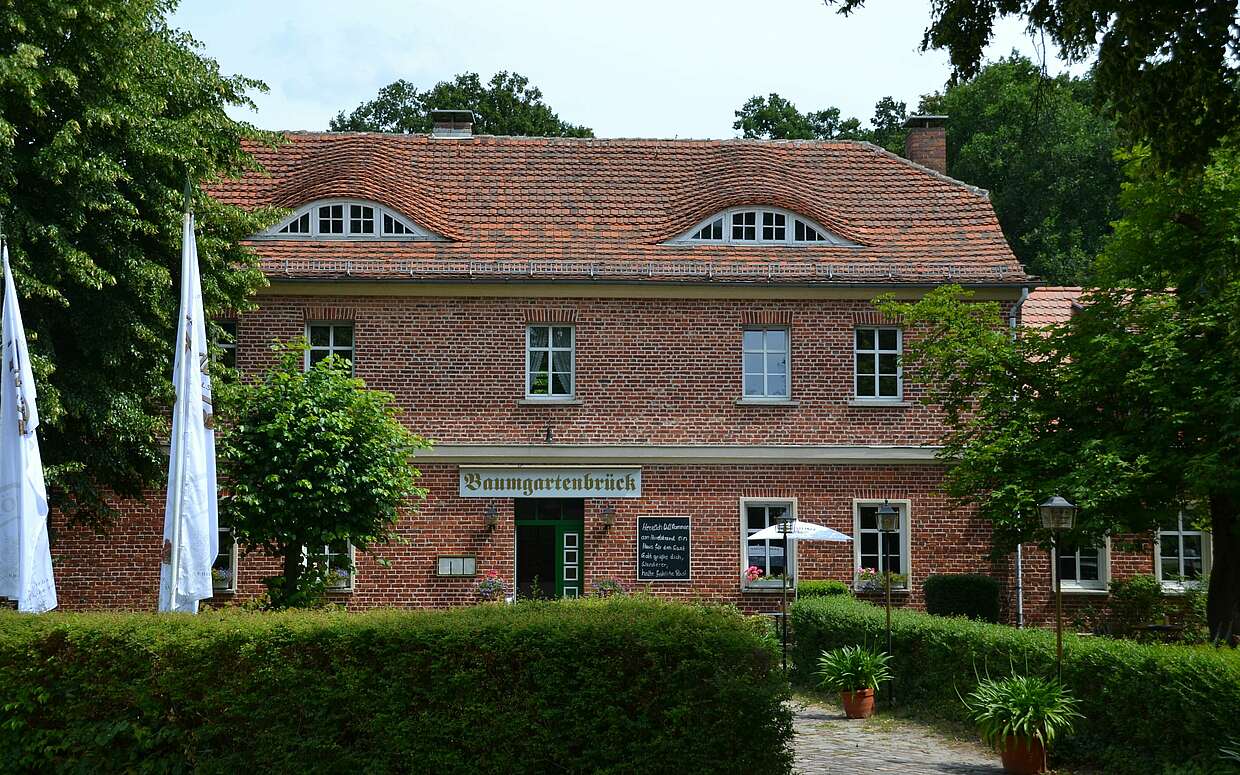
(854, 672)
(607, 588)
(871, 580)
(490, 588)
(1021, 716)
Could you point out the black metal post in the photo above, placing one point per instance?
(1058, 609)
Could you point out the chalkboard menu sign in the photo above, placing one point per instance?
(663, 548)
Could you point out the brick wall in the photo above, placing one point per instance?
(120, 570)
(657, 371)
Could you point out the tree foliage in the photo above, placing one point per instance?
(1166, 69)
(775, 118)
(311, 457)
(505, 105)
(1046, 155)
(1132, 408)
(104, 112)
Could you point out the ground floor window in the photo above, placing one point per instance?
(336, 558)
(224, 569)
(1082, 568)
(1183, 552)
(765, 562)
(875, 552)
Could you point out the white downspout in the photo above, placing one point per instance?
(1020, 586)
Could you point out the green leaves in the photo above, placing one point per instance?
(104, 111)
(311, 458)
(853, 668)
(506, 105)
(1021, 706)
(775, 118)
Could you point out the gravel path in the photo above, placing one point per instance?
(828, 742)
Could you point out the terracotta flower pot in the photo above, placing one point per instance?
(858, 704)
(1023, 756)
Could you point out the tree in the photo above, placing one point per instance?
(104, 113)
(1166, 69)
(1046, 155)
(506, 105)
(1131, 408)
(310, 458)
(775, 118)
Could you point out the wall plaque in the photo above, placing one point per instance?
(550, 482)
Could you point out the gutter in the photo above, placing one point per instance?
(1013, 321)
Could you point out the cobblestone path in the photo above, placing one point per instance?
(828, 742)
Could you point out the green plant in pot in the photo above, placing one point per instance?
(855, 672)
(1021, 716)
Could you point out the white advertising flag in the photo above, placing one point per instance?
(191, 525)
(25, 555)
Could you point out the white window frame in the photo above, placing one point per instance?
(830, 239)
(331, 347)
(351, 550)
(227, 345)
(876, 352)
(766, 394)
(415, 232)
(905, 533)
(1094, 587)
(789, 549)
(1179, 585)
(551, 349)
(231, 589)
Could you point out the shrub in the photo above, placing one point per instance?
(1135, 601)
(1022, 706)
(1145, 707)
(963, 594)
(608, 686)
(822, 588)
(853, 668)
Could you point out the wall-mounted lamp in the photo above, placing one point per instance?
(492, 516)
(608, 516)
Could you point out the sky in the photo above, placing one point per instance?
(626, 68)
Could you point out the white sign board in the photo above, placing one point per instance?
(550, 482)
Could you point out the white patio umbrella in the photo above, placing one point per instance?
(795, 531)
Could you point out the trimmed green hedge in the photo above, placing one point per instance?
(1147, 708)
(963, 594)
(607, 686)
(822, 588)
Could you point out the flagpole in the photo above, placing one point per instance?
(179, 480)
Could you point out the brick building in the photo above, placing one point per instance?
(630, 355)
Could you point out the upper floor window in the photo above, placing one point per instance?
(549, 362)
(1183, 555)
(761, 225)
(348, 219)
(765, 363)
(227, 343)
(876, 354)
(329, 339)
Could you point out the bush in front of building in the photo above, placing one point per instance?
(1147, 708)
(822, 588)
(963, 594)
(607, 686)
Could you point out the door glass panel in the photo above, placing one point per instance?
(535, 561)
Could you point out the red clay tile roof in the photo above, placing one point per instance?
(564, 208)
(1050, 305)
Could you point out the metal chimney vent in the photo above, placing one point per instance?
(452, 123)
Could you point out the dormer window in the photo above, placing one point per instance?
(343, 219)
(761, 225)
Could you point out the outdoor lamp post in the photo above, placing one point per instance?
(888, 523)
(785, 527)
(1057, 515)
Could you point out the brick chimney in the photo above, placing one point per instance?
(926, 143)
(452, 123)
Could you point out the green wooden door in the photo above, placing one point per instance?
(550, 548)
